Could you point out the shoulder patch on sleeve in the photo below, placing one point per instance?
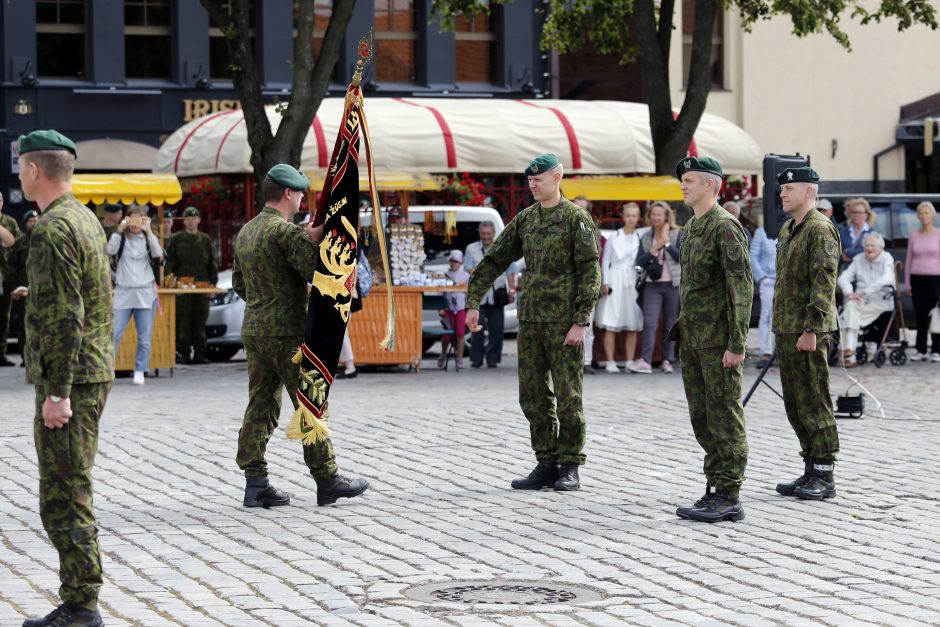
(831, 248)
(734, 251)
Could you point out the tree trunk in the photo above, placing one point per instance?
(673, 134)
(310, 81)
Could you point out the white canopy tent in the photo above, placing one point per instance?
(438, 135)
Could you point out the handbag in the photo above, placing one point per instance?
(364, 276)
(500, 297)
(935, 320)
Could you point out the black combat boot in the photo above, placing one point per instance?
(567, 478)
(199, 359)
(543, 475)
(683, 512)
(260, 493)
(718, 507)
(787, 489)
(183, 358)
(821, 484)
(67, 615)
(336, 486)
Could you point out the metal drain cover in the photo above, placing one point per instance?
(503, 593)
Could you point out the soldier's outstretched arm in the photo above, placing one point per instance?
(584, 254)
(57, 294)
(506, 249)
(7, 239)
(739, 284)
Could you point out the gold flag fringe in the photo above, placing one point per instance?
(298, 357)
(306, 427)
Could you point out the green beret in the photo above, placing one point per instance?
(798, 175)
(542, 163)
(190, 212)
(113, 208)
(288, 176)
(698, 164)
(45, 140)
(168, 213)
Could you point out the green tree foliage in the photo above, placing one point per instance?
(605, 24)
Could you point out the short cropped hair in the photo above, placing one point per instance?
(57, 165)
(272, 192)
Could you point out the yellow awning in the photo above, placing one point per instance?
(622, 188)
(387, 181)
(155, 189)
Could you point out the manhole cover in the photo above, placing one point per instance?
(494, 593)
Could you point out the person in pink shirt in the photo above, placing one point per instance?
(922, 279)
(456, 313)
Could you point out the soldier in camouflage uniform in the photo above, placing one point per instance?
(274, 261)
(804, 319)
(561, 285)
(19, 255)
(7, 284)
(191, 253)
(70, 359)
(715, 303)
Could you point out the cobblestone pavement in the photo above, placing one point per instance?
(439, 449)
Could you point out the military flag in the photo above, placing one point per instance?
(335, 276)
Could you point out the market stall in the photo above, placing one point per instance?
(156, 190)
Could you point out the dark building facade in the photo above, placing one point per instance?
(138, 69)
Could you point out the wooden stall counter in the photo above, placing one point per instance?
(163, 339)
(367, 326)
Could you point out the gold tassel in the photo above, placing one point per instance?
(298, 357)
(306, 427)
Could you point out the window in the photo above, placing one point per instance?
(717, 63)
(147, 39)
(220, 62)
(395, 39)
(60, 38)
(476, 48)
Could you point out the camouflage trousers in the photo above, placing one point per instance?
(550, 377)
(270, 371)
(805, 380)
(713, 393)
(192, 311)
(66, 457)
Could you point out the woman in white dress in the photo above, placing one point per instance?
(617, 309)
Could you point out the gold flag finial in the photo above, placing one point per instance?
(365, 55)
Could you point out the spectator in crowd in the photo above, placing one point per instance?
(487, 345)
(134, 247)
(455, 314)
(167, 224)
(113, 214)
(734, 209)
(361, 288)
(19, 254)
(866, 287)
(8, 237)
(861, 219)
(585, 204)
(922, 278)
(618, 309)
(824, 207)
(764, 266)
(659, 249)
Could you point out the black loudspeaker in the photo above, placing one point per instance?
(850, 406)
(774, 217)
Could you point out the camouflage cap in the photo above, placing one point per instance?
(190, 212)
(168, 213)
(45, 140)
(112, 207)
(698, 164)
(798, 175)
(288, 176)
(542, 163)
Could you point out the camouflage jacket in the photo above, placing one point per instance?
(562, 279)
(69, 318)
(807, 263)
(274, 262)
(192, 254)
(7, 263)
(717, 288)
(19, 255)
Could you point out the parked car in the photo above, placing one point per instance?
(224, 325)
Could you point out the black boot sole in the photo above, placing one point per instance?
(785, 491)
(559, 488)
(332, 498)
(540, 486)
(805, 496)
(736, 517)
(265, 503)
